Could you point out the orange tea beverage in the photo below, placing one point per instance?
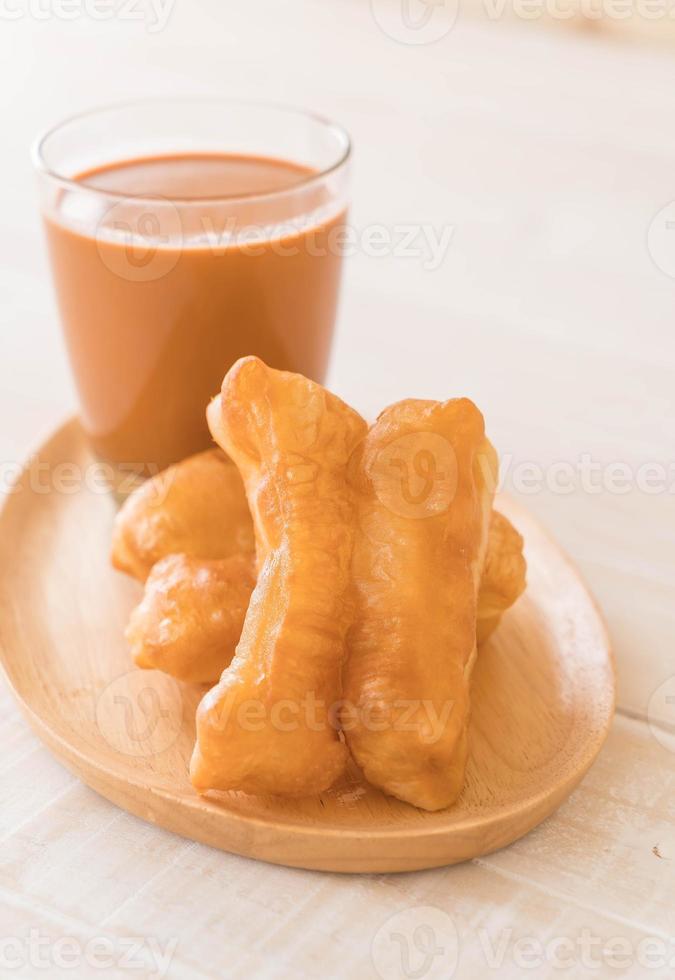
(170, 266)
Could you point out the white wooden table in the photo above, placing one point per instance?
(549, 154)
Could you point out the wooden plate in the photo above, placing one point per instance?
(543, 696)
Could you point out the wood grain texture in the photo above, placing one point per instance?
(72, 864)
(543, 697)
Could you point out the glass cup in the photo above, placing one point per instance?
(184, 234)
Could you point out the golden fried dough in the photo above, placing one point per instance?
(265, 728)
(197, 507)
(192, 614)
(503, 578)
(424, 479)
(209, 484)
(189, 621)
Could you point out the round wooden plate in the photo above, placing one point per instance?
(543, 696)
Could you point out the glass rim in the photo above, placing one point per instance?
(41, 167)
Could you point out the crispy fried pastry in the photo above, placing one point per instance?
(191, 616)
(177, 627)
(265, 727)
(424, 480)
(189, 621)
(504, 572)
(197, 507)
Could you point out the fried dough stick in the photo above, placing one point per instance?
(424, 480)
(192, 612)
(189, 621)
(197, 507)
(265, 727)
(209, 484)
(503, 579)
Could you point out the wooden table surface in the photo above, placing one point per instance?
(546, 158)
